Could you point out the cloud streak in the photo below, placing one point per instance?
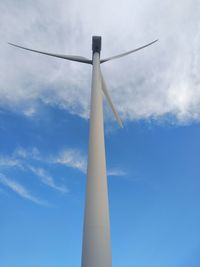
(161, 81)
(20, 190)
(26, 160)
(32, 161)
(76, 160)
(71, 158)
(46, 179)
(116, 172)
(9, 162)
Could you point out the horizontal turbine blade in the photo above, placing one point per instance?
(127, 53)
(68, 57)
(105, 91)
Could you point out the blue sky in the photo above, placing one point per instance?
(153, 188)
(152, 163)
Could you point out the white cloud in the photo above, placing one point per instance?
(75, 159)
(10, 162)
(32, 153)
(71, 158)
(25, 159)
(158, 81)
(20, 190)
(46, 179)
(30, 112)
(116, 172)
(18, 158)
(32, 160)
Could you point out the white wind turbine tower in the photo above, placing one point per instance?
(96, 248)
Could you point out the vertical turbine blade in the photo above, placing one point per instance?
(105, 91)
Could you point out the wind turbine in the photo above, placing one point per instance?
(96, 247)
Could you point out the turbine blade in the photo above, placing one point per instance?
(105, 91)
(68, 57)
(127, 53)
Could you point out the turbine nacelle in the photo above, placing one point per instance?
(96, 44)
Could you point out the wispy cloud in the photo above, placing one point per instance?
(10, 162)
(33, 161)
(116, 172)
(71, 158)
(48, 180)
(21, 190)
(75, 159)
(19, 157)
(26, 159)
(32, 153)
(68, 157)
